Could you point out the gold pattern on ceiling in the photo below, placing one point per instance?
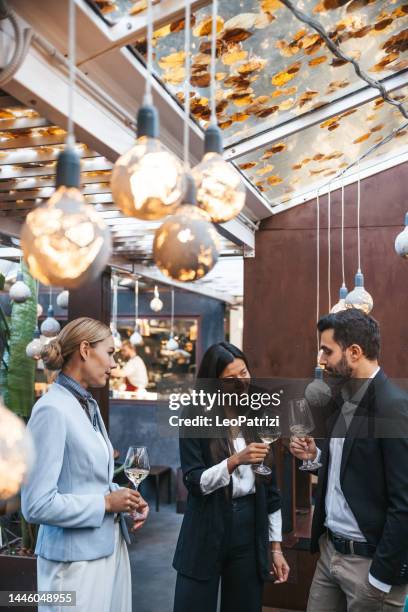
(270, 67)
(309, 158)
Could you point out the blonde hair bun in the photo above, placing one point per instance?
(58, 351)
(51, 354)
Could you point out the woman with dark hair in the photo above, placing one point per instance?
(231, 513)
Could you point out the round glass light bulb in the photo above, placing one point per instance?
(220, 190)
(136, 339)
(16, 453)
(185, 246)
(33, 349)
(148, 180)
(318, 393)
(50, 327)
(40, 310)
(401, 242)
(19, 291)
(156, 304)
(65, 242)
(172, 344)
(341, 304)
(63, 299)
(361, 299)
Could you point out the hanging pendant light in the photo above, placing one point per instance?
(156, 304)
(401, 241)
(340, 305)
(136, 338)
(16, 453)
(50, 326)
(148, 180)
(220, 190)
(19, 291)
(172, 344)
(40, 310)
(117, 340)
(63, 299)
(359, 297)
(318, 393)
(186, 246)
(33, 348)
(64, 241)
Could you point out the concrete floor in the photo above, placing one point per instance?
(151, 555)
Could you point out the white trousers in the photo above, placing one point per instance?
(102, 584)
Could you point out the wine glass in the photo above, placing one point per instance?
(268, 434)
(136, 468)
(301, 424)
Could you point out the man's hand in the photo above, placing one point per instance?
(142, 508)
(303, 448)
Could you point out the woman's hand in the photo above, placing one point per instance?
(303, 448)
(252, 454)
(144, 509)
(280, 566)
(122, 500)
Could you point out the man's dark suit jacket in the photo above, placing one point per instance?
(202, 535)
(374, 478)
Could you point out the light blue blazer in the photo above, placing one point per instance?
(65, 491)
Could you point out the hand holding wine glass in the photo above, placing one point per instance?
(301, 424)
(268, 434)
(137, 468)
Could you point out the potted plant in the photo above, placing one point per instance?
(17, 373)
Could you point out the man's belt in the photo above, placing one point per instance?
(350, 547)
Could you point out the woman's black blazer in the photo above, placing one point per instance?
(199, 547)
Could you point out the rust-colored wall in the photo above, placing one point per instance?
(280, 282)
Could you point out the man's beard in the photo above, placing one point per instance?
(341, 370)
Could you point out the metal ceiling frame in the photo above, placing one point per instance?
(129, 29)
(154, 274)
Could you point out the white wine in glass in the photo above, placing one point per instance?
(268, 435)
(136, 468)
(301, 424)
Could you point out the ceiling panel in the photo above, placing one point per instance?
(271, 67)
(307, 159)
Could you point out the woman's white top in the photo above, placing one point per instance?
(243, 483)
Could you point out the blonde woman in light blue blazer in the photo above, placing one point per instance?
(82, 538)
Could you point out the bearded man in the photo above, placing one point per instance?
(360, 522)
